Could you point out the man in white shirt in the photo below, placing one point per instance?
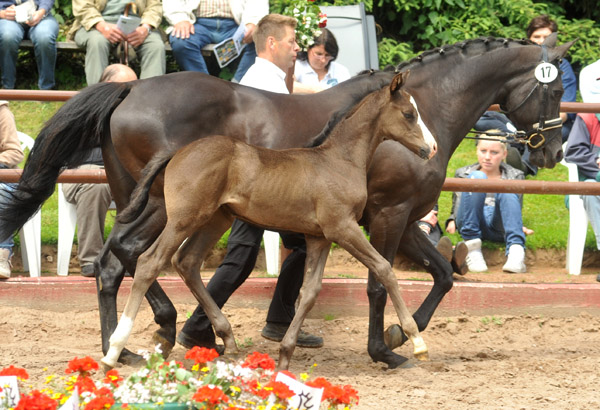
(276, 48)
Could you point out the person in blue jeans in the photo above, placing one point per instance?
(11, 155)
(41, 28)
(196, 23)
(490, 216)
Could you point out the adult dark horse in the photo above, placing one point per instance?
(452, 86)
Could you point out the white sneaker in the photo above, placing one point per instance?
(5, 264)
(475, 260)
(515, 262)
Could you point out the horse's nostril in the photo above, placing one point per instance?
(559, 156)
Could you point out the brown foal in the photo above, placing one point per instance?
(318, 191)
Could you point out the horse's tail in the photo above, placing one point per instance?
(139, 196)
(65, 141)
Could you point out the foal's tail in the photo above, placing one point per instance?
(139, 196)
(65, 141)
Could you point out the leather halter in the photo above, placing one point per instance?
(535, 138)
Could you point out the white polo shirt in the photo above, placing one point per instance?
(265, 75)
(305, 74)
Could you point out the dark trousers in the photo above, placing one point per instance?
(242, 250)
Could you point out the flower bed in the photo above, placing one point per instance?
(210, 383)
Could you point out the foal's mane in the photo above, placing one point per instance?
(336, 118)
(489, 43)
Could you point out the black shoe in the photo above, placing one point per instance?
(88, 271)
(598, 278)
(189, 342)
(459, 258)
(275, 332)
(444, 247)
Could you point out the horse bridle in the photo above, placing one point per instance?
(534, 138)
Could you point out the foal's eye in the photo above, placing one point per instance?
(408, 115)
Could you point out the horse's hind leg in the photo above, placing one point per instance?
(188, 261)
(317, 250)
(149, 265)
(354, 241)
(120, 253)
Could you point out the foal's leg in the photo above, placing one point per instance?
(120, 253)
(149, 266)
(188, 261)
(354, 241)
(317, 249)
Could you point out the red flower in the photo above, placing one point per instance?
(82, 366)
(36, 401)
(14, 371)
(103, 400)
(210, 396)
(256, 360)
(84, 383)
(335, 394)
(201, 354)
(280, 390)
(112, 377)
(322, 20)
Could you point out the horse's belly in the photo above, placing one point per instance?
(276, 214)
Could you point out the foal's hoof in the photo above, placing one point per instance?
(394, 337)
(166, 346)
(423, 356)
(129, 358)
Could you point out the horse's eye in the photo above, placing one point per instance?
(409, 115)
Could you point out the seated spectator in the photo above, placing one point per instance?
(196, 23)
(430, 226)
(92, 200)
(491, 216)
(583, 148)
(316, 69)
(41, 28)
(95, 29)
(10, 156)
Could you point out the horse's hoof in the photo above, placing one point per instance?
(106, 366)
(166, 345)
(395, 361)
(394, 337)
(129, 358)
(422, 356)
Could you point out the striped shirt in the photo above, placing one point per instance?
(214, 8)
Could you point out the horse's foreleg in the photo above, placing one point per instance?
(188, 261)
(385, 229)
(354, 241)
(317, 250)
(149, 266)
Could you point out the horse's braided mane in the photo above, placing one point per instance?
(462, 47)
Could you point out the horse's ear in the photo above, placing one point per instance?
(398, 80)
(551, 40)
(563, 48)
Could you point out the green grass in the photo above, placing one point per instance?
(545, 214)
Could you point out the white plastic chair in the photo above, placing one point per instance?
(578, 223)
(31, 233)
(271, 242)
(67, 221)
